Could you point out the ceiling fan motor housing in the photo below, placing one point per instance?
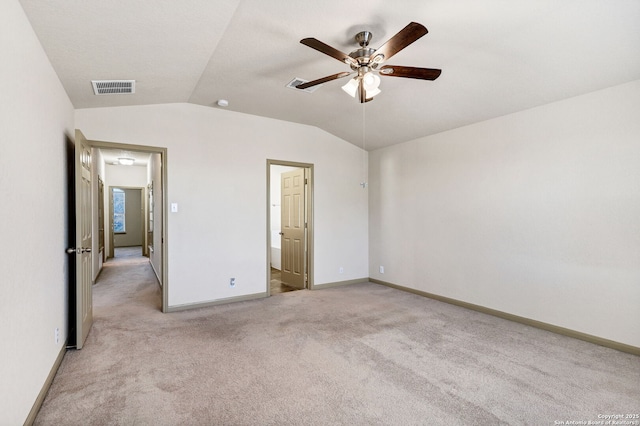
(362, 56)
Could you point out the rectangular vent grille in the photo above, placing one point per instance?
(297, 81)
(113, 87)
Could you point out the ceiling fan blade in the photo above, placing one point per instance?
(405, 37)
(322, 80)
(328, 50)
(410, 72)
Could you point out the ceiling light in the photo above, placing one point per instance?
(370, 82)
(223, 103)
(351, 87)
(126, 161)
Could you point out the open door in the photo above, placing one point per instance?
(293, 234)
(82, 250)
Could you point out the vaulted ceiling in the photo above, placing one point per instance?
(497, 56)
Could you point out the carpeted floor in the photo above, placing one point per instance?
(120, 252)
(357, 355)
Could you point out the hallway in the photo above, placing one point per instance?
(121, 280)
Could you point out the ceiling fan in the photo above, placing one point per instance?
(365, 60)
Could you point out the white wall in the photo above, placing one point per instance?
(36, 117)
(217, 163)
(536, 214)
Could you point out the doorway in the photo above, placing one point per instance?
(289, 226)
(147, 200)
(127, 227)
(84, 186)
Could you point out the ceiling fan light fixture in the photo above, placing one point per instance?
(371, 83)
(373, 92)
(351, 87)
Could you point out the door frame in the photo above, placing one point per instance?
(143, 214)
(165, 212)
(308, 218)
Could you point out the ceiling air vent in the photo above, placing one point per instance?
(113, 87)
(297, 81)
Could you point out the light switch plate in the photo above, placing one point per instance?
(174, 207)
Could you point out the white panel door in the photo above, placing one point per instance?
(293, 232)
(84, 297)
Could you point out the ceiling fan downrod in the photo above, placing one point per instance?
(363, 38)
(362, 55)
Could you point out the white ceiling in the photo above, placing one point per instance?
(110, 156)
(496, 56)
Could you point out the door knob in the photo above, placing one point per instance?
(79, 250)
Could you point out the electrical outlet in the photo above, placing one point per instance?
(341, 270)
(232, 282)
(57, 335)
(381, 269)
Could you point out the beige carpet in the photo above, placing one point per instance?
(357, 355)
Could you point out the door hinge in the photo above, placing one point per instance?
(306, 181)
